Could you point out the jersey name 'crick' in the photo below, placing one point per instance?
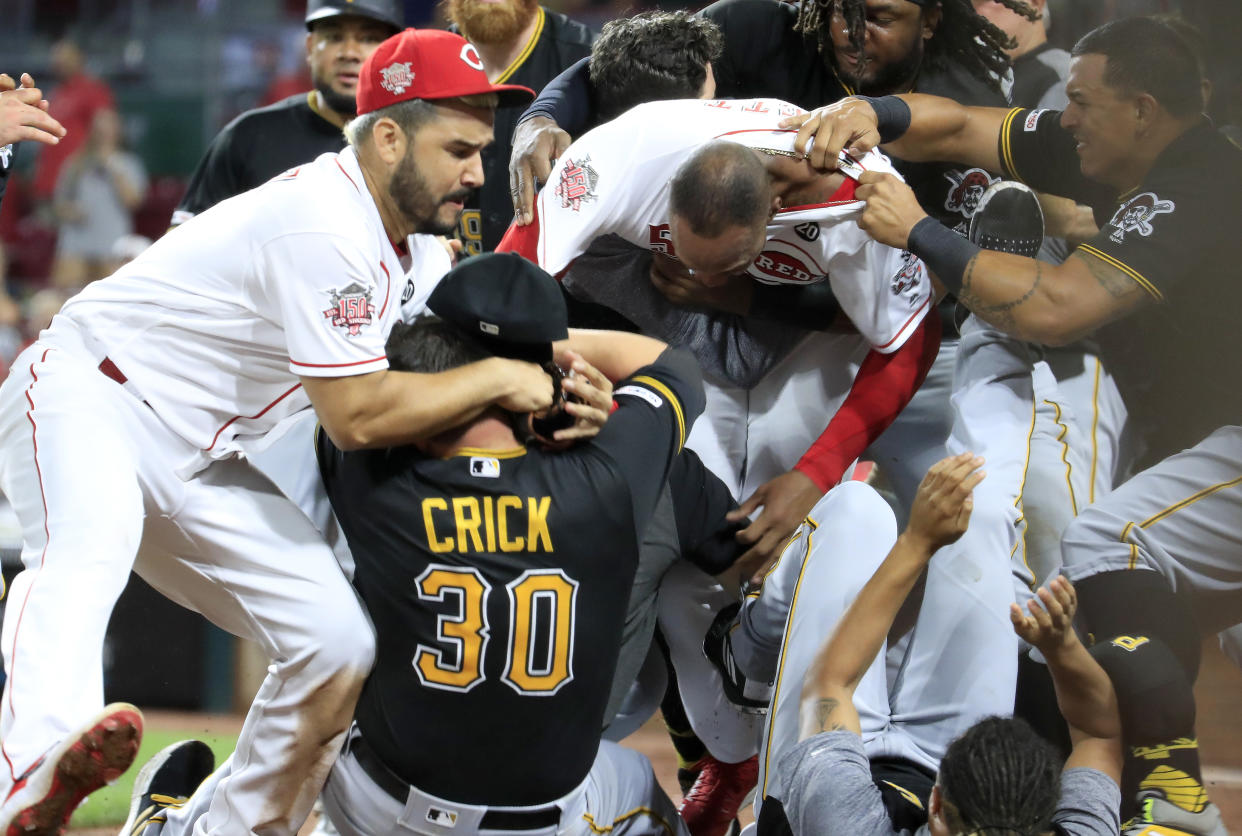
(483, 523)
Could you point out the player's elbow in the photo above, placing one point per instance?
(347, 436)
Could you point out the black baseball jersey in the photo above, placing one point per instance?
(1173, 360)
(254, 148)
(497, 582)
(557, 43)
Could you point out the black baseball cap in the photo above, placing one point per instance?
(390, 12)
(510, 305)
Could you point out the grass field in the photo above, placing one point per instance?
(110, 806)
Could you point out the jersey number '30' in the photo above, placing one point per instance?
(542, 611)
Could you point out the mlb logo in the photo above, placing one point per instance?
(484, 467)
(443, 818)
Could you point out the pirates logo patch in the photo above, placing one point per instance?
(1136, 214)
(968, 188)
(577, 184)
(397, 77)
(351, 309)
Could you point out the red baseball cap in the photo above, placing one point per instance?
(428, 64)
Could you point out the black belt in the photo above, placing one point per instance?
(536, 818)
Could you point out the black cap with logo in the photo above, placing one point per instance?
(389, 12)
(506, 302)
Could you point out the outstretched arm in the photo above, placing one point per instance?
(939, 516)
(23, 113)
(1085, 694)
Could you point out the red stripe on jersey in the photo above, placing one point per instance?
(47, 537)
(258, 414)
(523, 240)
(906, 324)
(843, 194)
(347, 177)
(387, 290)
(756, 131)
(335, 365)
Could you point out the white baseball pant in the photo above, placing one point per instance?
(90, 472)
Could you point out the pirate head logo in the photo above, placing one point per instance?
(1136, 215)
(968, 188)
(351, 309)
(577, 183)
(397, 77)
(907, 280)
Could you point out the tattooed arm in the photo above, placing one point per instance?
(938, 517)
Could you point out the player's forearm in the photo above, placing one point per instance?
(885, 383)
(943, 130)
(861, 632)
(391, 408)
(615, 353)
(1084, 692)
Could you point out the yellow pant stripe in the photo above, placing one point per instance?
(1172, 509)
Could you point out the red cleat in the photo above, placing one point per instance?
(711, 805)
(44, 798)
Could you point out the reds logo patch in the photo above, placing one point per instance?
(968, 188)
(907, 280)
(577, 184)
(1136, 214)
(351, 309)
(397, 76)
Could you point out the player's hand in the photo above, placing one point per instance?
(593, 394)
(537, 144)
(453, 246)
(528, 388)
(23, 113)
(786, 500)
(941, 508)
(892, 209)
(849, 124)
(674, 282)
(1049, 627)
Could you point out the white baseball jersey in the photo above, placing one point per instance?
(215, 338)
(615, 180)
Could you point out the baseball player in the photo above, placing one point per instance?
(509, 588)
(841, 761)
(261, 143)
(120, 429)
(23, 115)
(1147, 285)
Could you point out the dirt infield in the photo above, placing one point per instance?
(1219, 694)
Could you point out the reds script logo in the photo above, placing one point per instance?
(1136, 214)
(968, 188)
(351, 308)
(908, 278)
(397, 77)
(577, 186)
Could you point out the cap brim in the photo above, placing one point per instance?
(510, 94)
(350, 11)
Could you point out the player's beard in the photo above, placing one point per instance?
(342, 103)
(423, 210)
(492, 23)
(893, 78)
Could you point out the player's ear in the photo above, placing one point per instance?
(1145, 111)
(310, 45)
(930, 20)
(776, 206)
(389, 139)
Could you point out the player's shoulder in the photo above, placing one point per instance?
(327, 196)
(563, 29)
(258, 121)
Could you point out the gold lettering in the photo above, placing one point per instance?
(437, 545)
(489, 523)
(466, 510)
(502, 524)
(1130, 643)
(537, 522)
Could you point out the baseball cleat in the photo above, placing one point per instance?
(747, 695)
(167, 780)
(44, 798)
(719, 791)
(1159, 817)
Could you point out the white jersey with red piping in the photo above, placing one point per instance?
(615, 180)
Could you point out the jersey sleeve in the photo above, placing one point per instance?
(1036, 150)
(827, 777)
(217, 178)
(885, 292)
(700, 503)
(1158, 235)
(655, 410)
(577, 205)
(326, 293)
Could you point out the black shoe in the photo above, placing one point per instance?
(749, 696)
(167, 780)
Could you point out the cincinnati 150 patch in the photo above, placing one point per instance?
(397, 76)
(1136, 215)
(908, 280)
(352, 309)
(577, 183)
